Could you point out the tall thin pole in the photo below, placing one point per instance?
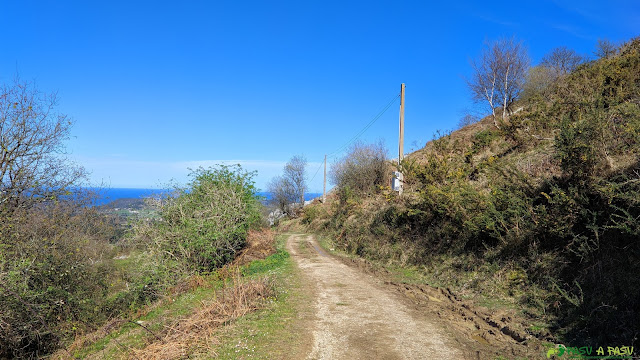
(401, 140)
(324, 186)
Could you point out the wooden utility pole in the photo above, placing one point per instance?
(401, 141)
(324, 186)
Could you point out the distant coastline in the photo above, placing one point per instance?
(307, 196)
(106, 196)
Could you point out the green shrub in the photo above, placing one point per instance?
(484, 138)
(312, 213)
(579, 145)
(204, 224)
(55, 271)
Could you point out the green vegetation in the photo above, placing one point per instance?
(540, 212)
(201, 228)
(273, 333)
(55, 274)
(180, 287)
(260, 334)
(129, 335)
(204, 224)
(536, 211)
(66, 270)
(55, 256)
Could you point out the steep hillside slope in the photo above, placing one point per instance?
(540, 214)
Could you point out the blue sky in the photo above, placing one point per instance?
(155, 87)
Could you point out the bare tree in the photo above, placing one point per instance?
(362, 169)
(45, 228)
(467, 119)
(499, 75)
(295, 173)
(282, 194)
(291, 186)
(562, 60)
(33, 167)
(605, 48)
(539, 79)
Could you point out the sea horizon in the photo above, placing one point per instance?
(107, 195)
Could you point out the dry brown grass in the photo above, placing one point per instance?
(188, 284)
(190, 335)
(463, 136)
(260, 244)
(90, 338)
(196, 332)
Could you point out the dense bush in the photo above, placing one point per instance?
(55, 256)
(312, 213)
(205, 223)
(364, 168)
(55, 268)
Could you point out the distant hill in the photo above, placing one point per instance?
(125, 203)
(107, 195)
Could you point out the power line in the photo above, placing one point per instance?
(362, 131)
(314, 175)
(375, 118)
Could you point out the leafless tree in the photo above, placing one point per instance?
(290, 187)
(295, 173)
(282, 194)
(539, 80)
(467, 119)
(605, 48)
(45, 227)
(562, 60)
(33, 166)
(499, 75)
(362, 169)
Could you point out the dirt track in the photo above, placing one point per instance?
(357, 317)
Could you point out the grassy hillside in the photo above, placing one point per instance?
(539, 214)
(67, 270)
(237, 311)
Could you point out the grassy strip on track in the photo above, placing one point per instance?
(278, 332)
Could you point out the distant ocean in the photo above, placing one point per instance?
(307, 196)
(106, 196)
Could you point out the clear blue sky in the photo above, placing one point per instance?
(155, 87)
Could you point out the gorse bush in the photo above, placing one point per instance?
(312, 213)
(205, 223)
